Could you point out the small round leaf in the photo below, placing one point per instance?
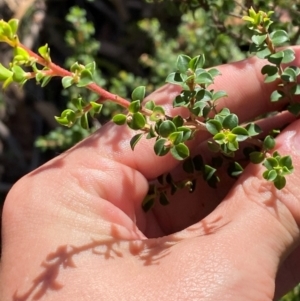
(279, 37)
(180, 151)
(182, 63)
(213, 126)
(257, 157)
(166, 128)
(231, 121)
(138, 93)
(137, 121)
(119, 119)
(160, 147)
(280, 182)
(135, 139)
(269, 142)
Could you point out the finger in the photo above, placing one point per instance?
(288, 275)
(260, 220)
(180, 214)
(248, 96)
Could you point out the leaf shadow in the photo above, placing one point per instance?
(63, 258)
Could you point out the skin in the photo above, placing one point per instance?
(74, 229)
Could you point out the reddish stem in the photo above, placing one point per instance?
(61, 72)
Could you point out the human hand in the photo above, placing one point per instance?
(74, 229)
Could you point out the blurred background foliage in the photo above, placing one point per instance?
(133, 42)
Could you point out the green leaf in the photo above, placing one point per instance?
(148, 202)
(5, 30)
(175, 78)
(176, 138)
(295, 90)
(279, 37)
(150, 105)
(134, 106)
(39, 76)
(277, 95)
(5, 73)
(160, 147)
(67, 118)
(213, 126)
(231, 121)
(96, 108)
(241, 133)
(203, 77)
(220, 138)
(253, 129)
(20, 54)
(45, 81)
(166, 128)
(135, 139)
(19, 75)
(182, 63)
(262, 52)
(276, 58)
(151, 133)
(188, 166)
(294, 108)
(232, 146)
(270, 175)
(203, 95)
(119, 119)
(13, 23)
(214, 72)
(200, 108)
(137, 121)
(280, 182)
(138, 93)
(209, 171)
(196, 62)
(44, 51)
(187, 133)
(287, 162)
(163, 200)
(86, 78)
(7, 82)
(270, 72)
(158, 113)
(269, 143)
(84, 121)
(67, 81)
(249, 19)
(289, 75)
(76, 67)
(257, 157)
(180, 151)
(91, 67)
(235, 169)
(78, 103)
(178, 121)
(289, 56)
(259, 39)
(183, 99)
(213, 181)
(270, 163)
(219, 94)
